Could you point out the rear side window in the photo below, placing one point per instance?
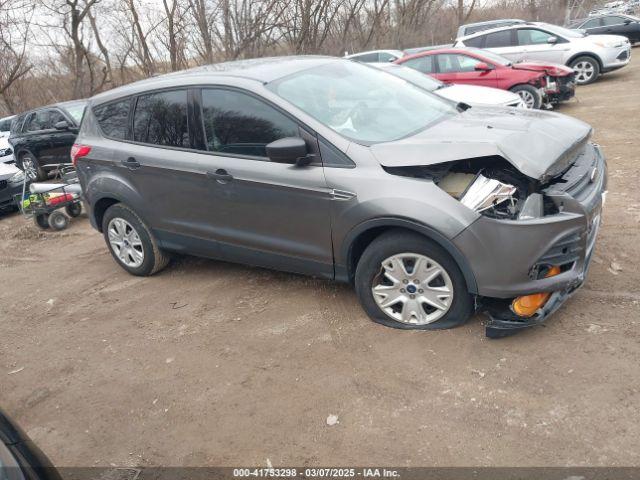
(161, 119)
(240, 124)
(610, 21)
(421, 64)
(498, 39)
(113, 118)
(475, 42)
(367, 58)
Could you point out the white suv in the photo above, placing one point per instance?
(588, 55)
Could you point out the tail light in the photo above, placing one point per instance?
(79, 151)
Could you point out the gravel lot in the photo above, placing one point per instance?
(210, 363)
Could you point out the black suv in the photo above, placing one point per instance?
(45, 136)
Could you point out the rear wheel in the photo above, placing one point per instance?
(73, 209)
(58, 220)
(404, 280)
(587, 70)
(31, 168)
(41, 221)
(131, 243)
(530, 95)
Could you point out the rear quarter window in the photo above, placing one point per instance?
(113, 119)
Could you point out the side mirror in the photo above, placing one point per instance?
(63, 125)
(483, 67)
(627, 22)
(552, 40)
(291, 150)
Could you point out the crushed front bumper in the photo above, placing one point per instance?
(564, 88)
(507, 257)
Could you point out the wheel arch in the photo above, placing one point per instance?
(360, 237)
(100, 207)
(585, 54)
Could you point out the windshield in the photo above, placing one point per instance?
(565, 32)
(493, 57)
(76, 110)
(362, 103)
(419, 79)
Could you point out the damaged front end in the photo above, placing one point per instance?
(531, 246)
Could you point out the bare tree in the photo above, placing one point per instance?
(14, 36)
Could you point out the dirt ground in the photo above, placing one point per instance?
(210, 363)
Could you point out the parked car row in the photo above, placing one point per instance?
(540, 62)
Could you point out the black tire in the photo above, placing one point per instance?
(73, 209)
(398, 242)
(584, 60)
(58, 221)
(154, 259)
(529, 94)
(40, 173)
(41, 221)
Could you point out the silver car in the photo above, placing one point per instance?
(327, 167)
(588, 55)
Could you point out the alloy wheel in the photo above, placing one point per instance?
(584, 71)
(29, 168)
(528, 98)
(125, 242)
(413, 289)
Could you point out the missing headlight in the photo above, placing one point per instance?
(486, 193)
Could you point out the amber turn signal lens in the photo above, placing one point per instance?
(528, 305)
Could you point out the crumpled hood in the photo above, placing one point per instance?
(553, 69)
(539, 144)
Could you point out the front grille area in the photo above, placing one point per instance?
(583, 176)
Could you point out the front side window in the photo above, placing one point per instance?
(362, 103)
(76, 110)
(499, 39)
(421, 64)
(532, 36)
(36, 121)
(55, 116)
(240, 124)
(161, 119)
(113, 118)
(453, 63)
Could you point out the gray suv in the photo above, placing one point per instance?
(327, 167)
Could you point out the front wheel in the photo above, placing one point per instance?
(404, 280)
(131, 243)
(530, 95)
(587, 70)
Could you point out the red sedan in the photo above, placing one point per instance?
(536, 83)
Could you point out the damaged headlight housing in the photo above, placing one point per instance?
(484, 193)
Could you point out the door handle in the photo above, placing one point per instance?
(131, 163)
(220, 175)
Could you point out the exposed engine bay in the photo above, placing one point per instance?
(489, 185)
